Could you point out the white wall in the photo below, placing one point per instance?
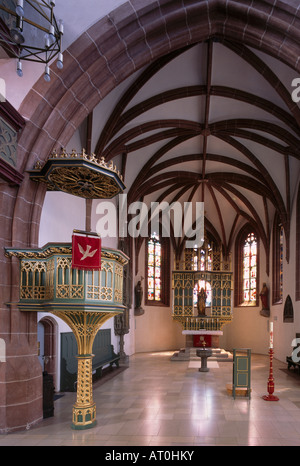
(61, 213)
(155, 330)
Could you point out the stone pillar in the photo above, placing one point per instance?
(21, 379)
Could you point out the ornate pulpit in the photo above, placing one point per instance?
(84, 299)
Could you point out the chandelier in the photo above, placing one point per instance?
(30, 31)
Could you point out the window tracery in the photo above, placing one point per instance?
(157, 270)
(154, 268)
(246, 267)
(250, 269)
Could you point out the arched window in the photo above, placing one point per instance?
(246, 268)
(250, 269)
(157, 270)
(288, 311)
(277, 276)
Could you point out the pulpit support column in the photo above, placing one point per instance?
(85, 325)
(84, 410)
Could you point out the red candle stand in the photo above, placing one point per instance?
(271, 386)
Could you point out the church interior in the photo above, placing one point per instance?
(167, 132)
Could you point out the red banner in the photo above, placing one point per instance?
(86, 252)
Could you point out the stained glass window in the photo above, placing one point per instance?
(154, 268)
(281, 262)
(250, 269)
(202, 258)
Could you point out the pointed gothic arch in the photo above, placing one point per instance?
(288, 311)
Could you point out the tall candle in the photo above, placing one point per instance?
(271, 334)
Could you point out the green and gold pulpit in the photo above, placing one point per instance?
(84, 299)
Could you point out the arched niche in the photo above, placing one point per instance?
(288, 311)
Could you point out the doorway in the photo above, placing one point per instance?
(47, 345)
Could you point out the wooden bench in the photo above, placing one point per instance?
(104, 355)
(291, 362)
(107, 357)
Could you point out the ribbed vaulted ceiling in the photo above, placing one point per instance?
(212, 122)
(192, 101)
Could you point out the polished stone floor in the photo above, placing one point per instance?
(158, 402)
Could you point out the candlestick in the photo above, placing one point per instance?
(271, 385)
(271, 334)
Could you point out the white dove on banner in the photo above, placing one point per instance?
(86, 253)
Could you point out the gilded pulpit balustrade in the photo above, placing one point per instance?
(54, 278)
(100, 284)
(69, 282)
(33, 280)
